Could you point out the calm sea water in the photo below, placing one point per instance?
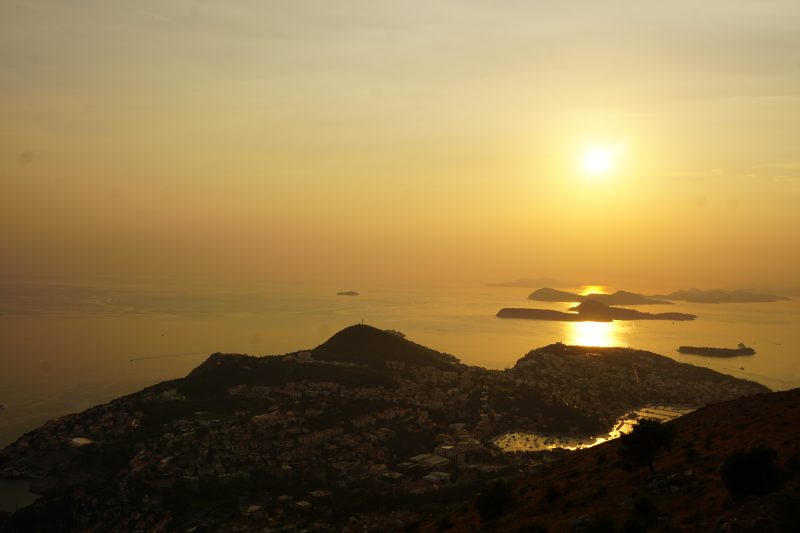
(66, 348)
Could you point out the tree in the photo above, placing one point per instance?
(647, 440)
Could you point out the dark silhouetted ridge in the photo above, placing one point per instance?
(618, 298)
(598, 491)
(366, 345)
(218, 363)
(624, 298)
(554, 295)
(589, 309)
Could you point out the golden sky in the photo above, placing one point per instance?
(401, 142)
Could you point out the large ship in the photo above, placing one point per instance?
(741, 349)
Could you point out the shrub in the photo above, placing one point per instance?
(690, 453)
(445, 523)
(633, 524)
(646, 511)
(752, 472)
(788, 513)
(551, 493)
(532, 528)
(602, 524)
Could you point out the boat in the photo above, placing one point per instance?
(741, 349)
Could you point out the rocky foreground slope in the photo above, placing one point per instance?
(594, 490)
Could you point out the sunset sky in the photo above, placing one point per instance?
(401, 142)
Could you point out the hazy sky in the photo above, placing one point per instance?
(400, 142)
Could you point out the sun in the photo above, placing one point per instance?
(598, 161)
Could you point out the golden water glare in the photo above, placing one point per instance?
(594, 334)
(590, 289)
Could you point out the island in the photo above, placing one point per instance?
(554, 295)
(741, 349)
(347, 293)
(618, 298)
(716, 296)
(590, 311)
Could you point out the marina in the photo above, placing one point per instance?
(535, 442)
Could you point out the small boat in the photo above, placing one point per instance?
(741, 349)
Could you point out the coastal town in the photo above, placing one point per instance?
(309, 441)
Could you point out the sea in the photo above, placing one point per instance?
(66, 347)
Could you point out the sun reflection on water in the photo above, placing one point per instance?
(592, 289)
(594, 334)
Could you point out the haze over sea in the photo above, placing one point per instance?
(65, 348)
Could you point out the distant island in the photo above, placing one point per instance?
(716, 296)
(590, 311)
(347, 293)
(621, 297)
(618, 298)
(741, 349)
(554, 295)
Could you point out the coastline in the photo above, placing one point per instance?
(46, 383)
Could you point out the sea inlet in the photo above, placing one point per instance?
(536, 442)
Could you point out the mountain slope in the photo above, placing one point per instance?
(366, 345)
(592, 490)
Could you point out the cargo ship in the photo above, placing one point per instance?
(741, 349)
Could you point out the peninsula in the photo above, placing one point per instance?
(367, 431)
(590, 311)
